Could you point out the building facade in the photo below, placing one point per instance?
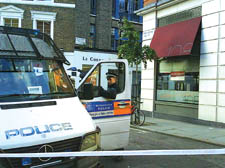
(97, 24)
(187, 82)
(49, 16)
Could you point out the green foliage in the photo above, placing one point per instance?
(131, 48)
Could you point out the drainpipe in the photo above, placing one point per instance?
(218, 62)
(155, 65)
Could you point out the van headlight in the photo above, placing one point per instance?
(91, 141)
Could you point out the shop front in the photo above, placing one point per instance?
(177, 70)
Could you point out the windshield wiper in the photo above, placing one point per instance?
(56, 93)
(18, 95)
(35, 96)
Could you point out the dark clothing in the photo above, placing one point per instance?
(111, 92)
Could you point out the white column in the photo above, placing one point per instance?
(34, 24)
(20, 24)
(209, 77)
(147, 77)
(52, 29)
(2, 21)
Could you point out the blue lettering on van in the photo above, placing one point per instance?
(32, 130)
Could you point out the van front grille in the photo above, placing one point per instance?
(68, 145)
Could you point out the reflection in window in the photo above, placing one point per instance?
(178, 87)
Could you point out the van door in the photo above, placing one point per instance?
(111, 115)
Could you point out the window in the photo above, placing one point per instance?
(44, 27)
(113, 8)
(93, 7)
(44, 21)
(114, 38)
(181, 16)
(98, 78)
(10, 22)
(9, 18)
(31, 79)
(92, 36)
(178, 80)
(127, 8)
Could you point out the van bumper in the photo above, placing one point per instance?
(88, 162)
(78, 162)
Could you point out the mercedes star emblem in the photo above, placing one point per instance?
(45, 149)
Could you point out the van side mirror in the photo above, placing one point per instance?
(87, 92)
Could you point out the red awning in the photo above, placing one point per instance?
(175, 39)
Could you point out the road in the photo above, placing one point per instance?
(140, 140)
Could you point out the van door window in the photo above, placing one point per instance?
(98, 78)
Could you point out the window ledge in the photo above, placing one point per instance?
(176, 104)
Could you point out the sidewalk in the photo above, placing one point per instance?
(202, 133)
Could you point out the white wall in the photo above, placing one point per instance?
(212, 62)
(212, 58)
(147, 75)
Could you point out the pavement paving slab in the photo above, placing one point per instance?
(202, 133)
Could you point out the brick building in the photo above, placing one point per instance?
(48, 16)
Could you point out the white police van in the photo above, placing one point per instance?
(39, 109)
(111, 115)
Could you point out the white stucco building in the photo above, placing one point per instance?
(188, 87)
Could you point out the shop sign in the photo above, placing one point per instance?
(177, 76)
(178, 96)
(92, 59)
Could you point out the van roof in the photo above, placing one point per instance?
(27, 43)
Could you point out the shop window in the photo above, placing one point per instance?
(10, 22)
(44, 27)
(178, 80)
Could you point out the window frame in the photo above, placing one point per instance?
(99, 67)
(11, 12)
(44, 16)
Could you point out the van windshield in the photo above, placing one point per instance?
(30, 79)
